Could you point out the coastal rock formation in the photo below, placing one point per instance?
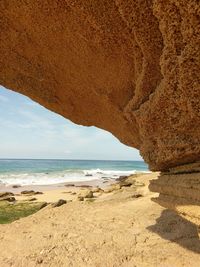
(129, 67)
(180, 191)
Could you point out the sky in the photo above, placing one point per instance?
(28, 130)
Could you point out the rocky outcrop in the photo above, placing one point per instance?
(85, 193)
(180, 191)
(130, 67)
(59, 203)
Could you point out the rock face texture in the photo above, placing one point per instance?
(180, 191)
(130, 67)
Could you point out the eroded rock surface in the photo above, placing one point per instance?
(130, 67)
(180, 191)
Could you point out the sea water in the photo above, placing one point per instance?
(48, 172)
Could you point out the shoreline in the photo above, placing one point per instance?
(118, 227)
(93, 182)
(66, 191)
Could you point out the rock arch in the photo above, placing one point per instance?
(130, 67)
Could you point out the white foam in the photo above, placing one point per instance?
(108, 172)
(60, 177)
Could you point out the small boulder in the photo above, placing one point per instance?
(16, 186)
(32, 199)
(80, 198)
(27, 192)
(38, 193)
(44, 204)
(8, 198)
(97, 190)
(86, 194)
(6, 194)
(112, 188)
(84, 186)
(137, 195)
(125, 183)
(59, 203)
(69, 185)
(121, 178)
(31, 192)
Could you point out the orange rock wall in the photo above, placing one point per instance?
(129, 67)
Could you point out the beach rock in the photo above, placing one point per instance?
(69, 185)
(8, 198)
(121, 178)
(113, 187)
(31, 192)
(59, 203)
(73, 193)
(80, 198)
(27, 192)
(43, 205)
(16, 186)
(32, 199)
(84, 186)
(130, 181)
(128, 67)
(86, 193)
(88, 174)
(96, 190)
(38, 193)
(6, 194)
(137, 195)
(125, 183)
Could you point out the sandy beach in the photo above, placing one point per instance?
(100, 133)
(120, 227)
(52, 193)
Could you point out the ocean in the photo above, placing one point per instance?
(49, 172)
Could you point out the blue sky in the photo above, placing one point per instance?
(28, 130)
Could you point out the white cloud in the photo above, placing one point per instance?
(35, 121)
(29, 130)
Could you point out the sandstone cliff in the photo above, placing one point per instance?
(130, 67)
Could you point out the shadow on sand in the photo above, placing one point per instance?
(173, 227)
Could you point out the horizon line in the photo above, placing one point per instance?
(69, 159)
